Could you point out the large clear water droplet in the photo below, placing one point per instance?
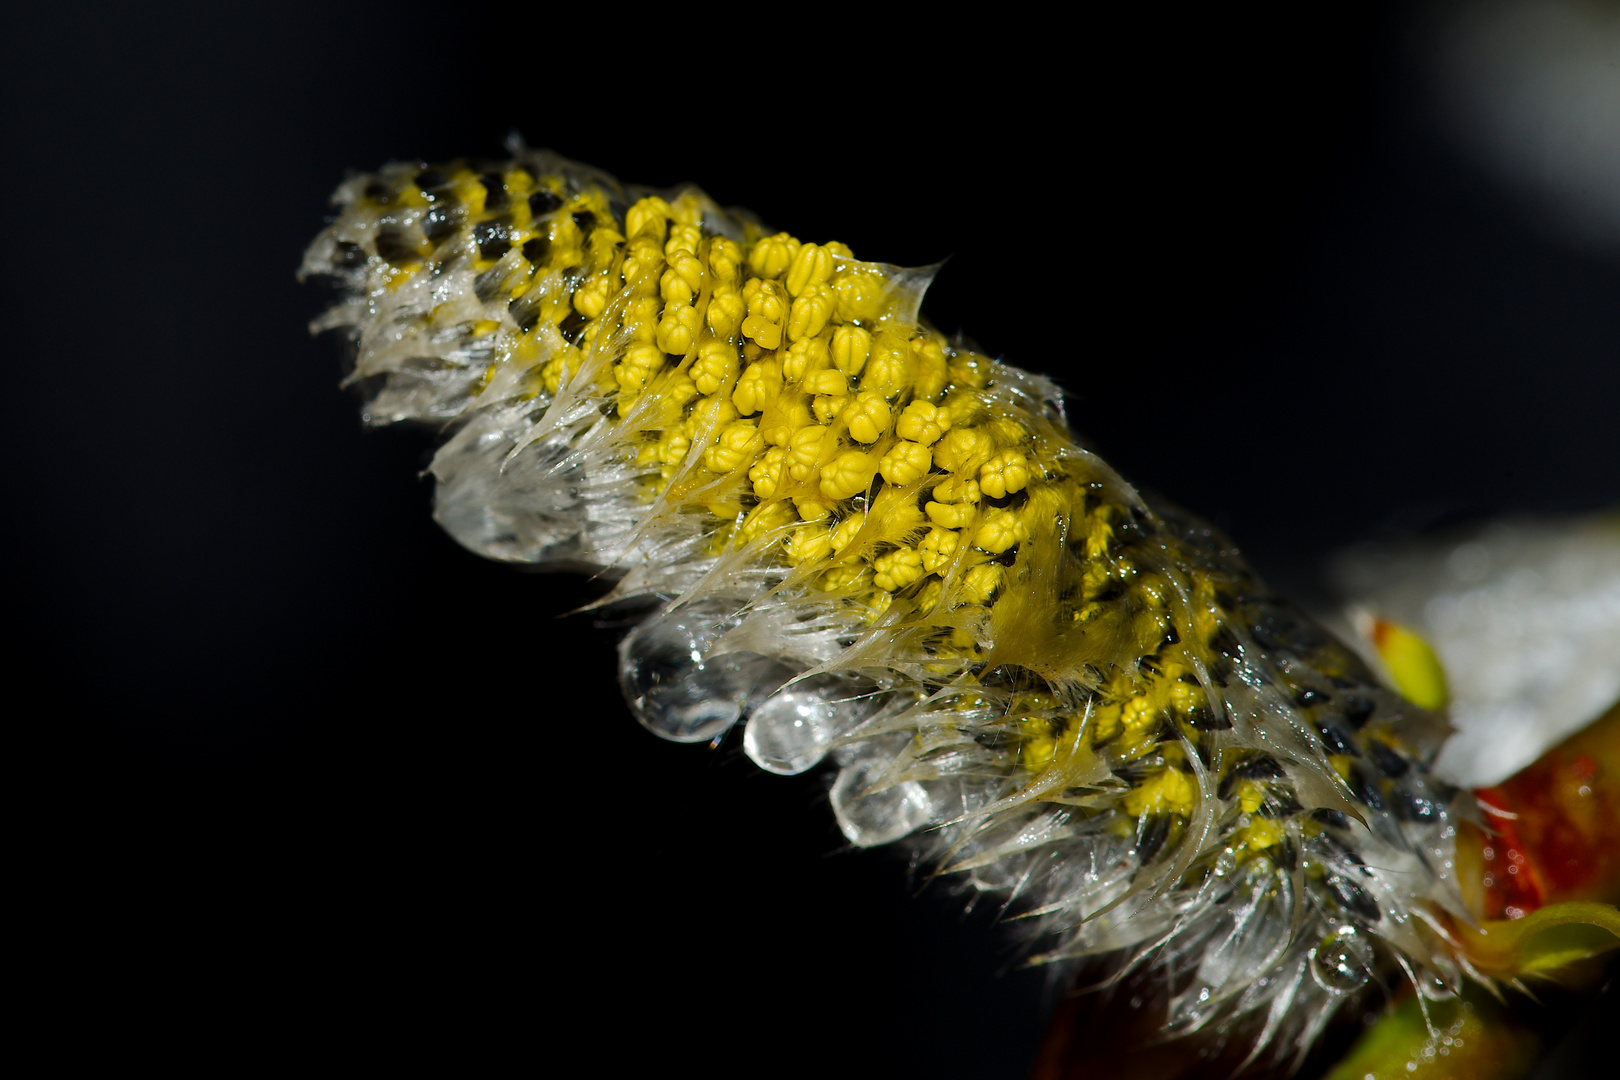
(676, 689)
(792, 730)
(883, 816)
(1342, 961)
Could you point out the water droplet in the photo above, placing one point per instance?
(1342, 961)
(792, 730)
(676, 689)
(883, 816)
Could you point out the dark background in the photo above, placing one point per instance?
(314, 773)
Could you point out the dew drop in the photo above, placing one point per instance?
(1342, 961)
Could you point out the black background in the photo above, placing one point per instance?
(317, 778)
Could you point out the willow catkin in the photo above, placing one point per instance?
(873, 545)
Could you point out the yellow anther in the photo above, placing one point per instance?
(805, 355)
(678, 329)
(1251, 795)
(766, 312)
(812, 507)
(811, 266)
(970, 370)
(683, 280)
(739, 442)
(641, 318)
(782, 418)
(963, 450)
(767, 519)
(726, 311)
(672, 446)
(897, 569)
(888, 370)
(804, 450)
(930, 372)
(826, 407)
(905, 463)
(811, 543)
(999, 530)
(1004, 474)
(839, 250)
(639, 362)
(950, 515)
(826, 381)
(980, 583)
(844, 534)
(1413, 665)
(937, 548)
(1164, 789)
(642, 257)
(758, 386)
(687, 208)
(773, 255)
(591, 298)
(725, 259)
(847, 475)
(648, 217)
(860, 295)
(715, 366)
(719, 416)
(850, 347)
(1046, 505)
(848, 577)
(867, 417)
(923, 423)
(1259, 834)
(809, 314)
(1099, 534)
(957, 491)
(766, 473)
(683, 237)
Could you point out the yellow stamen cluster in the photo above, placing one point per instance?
(790, 391)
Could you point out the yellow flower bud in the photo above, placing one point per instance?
(683, 237)
(678, 329)
(739, 441)
(850, 347)
(937, 548)
(999, 530)
(715, 366)
(826, 381)
(888, 371)
(758, 386)
(905, 463)
(725, 259)
(1004, 474)
(773, 255)
(726, 310)
(844, 534)
(648, 217)
(963, 450)
(766, 473)
(897, 569)
(923, 423)
(950, 515)
(847, 475)
(860, 295)
(804, 355)
(980, 583)
(804, 450)
(811, 266)
(867, 417)
(826, 407)
(809, 314)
